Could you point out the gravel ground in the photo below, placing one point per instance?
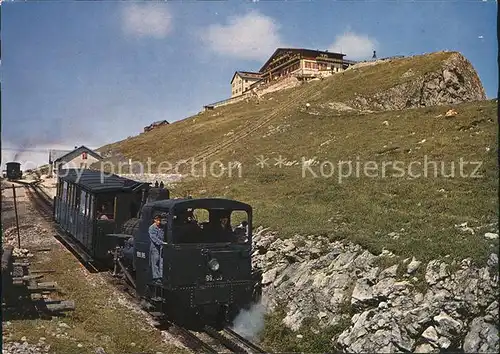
(25, 348)
(8, 207)
(30, 234)
(33, 230)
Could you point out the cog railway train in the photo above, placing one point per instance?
(207, 278)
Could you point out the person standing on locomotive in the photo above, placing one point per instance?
(156, 234)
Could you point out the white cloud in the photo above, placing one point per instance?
(152, 20)
(251, 36)
(355, 46)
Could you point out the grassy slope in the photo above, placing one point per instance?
(205, 129)
(364, 209)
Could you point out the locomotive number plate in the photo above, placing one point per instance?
(210, 277)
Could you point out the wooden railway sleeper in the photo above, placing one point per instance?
(249, 344)
(196, 342)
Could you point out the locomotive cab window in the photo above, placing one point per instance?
(210, 226)
(239, 225)
(105, 207)
(187, 225)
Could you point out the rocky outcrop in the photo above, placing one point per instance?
(384, 307)
(455, 82)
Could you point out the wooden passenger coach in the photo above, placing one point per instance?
(90, 204)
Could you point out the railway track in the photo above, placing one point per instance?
(222, 341)
(206, 340)
(45, 206)
(40, 200)
(294, 101)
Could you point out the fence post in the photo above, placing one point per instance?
(17, 217)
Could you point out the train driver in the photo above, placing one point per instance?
(241, 231)
(226, 232)
(224, 223)
(155, 249)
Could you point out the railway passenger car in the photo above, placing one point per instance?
(89, 205)
(13, 171)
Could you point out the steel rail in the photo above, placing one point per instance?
(243, 340)
(197, 343)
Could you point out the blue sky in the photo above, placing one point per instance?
(95, 72)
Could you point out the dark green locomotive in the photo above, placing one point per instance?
(206, 275)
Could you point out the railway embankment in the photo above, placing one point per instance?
(342, 294)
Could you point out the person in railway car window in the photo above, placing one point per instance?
(224, 223)
(226, 230)
(156, 235)
(241, 231)
(101, 214)
(187, 228)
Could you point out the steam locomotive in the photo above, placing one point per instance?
(13, 171)
(207, 279)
